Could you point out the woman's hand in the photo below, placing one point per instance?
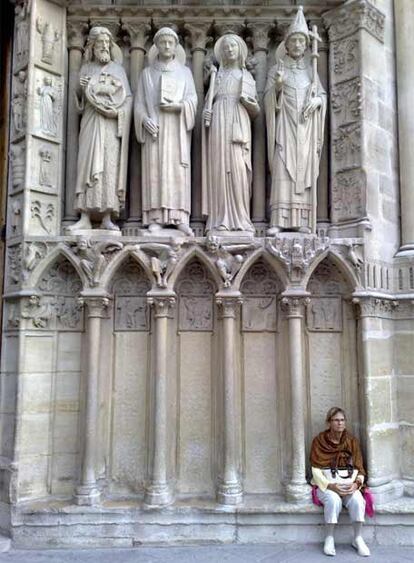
(343, 490)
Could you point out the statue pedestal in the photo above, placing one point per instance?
(95, 233)
(162, 233)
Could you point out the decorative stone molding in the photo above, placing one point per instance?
(359, 14)
(293, 306)
(97, 306)
(198, 35)
(296, 253)
(76, 33)
(260, 35)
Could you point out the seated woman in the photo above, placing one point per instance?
(333, 449)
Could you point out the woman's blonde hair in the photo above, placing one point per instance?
(332, 412)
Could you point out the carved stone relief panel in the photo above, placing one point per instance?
(345, 59)
(18, 166)
(14, 265)
(328, 280)
(130, 288)
(48, 108)
(58, 307)
(15, 216)
(346, 99)
(260, 289)
(45, 166)
(48, 42)
(195, 290)
(324, 314)
(348, 189)
(18, 104)
(346, 144)
(22, 34)
(43, 214)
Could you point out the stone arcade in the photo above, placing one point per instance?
(162, 385)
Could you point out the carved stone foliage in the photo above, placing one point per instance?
(296, 253)
(346, 100)
(360, 14)
(43, 214)
(60, 287)
(373, 307)
(324, 314)
(195, 296)
(260, 289)
(130, 288)
(328, 280)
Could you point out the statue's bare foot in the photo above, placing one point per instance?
(273, 231)
(84, 223)
(221, 228)
(153, 227)
(186, 229)
(108, 225)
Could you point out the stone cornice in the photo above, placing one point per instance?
(359, 14)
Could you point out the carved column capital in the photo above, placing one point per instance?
(228, 305)
(76, 30)
(370, 306)
(260, 35)
(163, 305)
(293, 305)
(228, 26)
(96, 305)
(198, 35)
(137, 32)
(353, 16)
(109, 22)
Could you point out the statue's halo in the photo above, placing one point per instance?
(179, 54)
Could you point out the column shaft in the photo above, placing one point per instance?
(198, 73)
(259, 144)
(404, 26)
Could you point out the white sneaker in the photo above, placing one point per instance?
(359, 544)
(329, 546)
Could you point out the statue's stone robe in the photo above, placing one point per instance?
(103, 146)
(166, 158)
(294, 144)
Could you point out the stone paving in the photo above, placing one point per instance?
(210, 554)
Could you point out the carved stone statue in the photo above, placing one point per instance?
(163, 259)
(228, 258)
(295, 104)
(92, 257)
(104, 98)
(231, 104)
(165, 109)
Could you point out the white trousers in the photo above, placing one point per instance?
(332, 505)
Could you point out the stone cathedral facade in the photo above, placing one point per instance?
(161, 389)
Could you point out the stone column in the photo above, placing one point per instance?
(260, 33)
(87, 493)
(198, 33)
(323, 179)
(137, 31)
(381, 431)
(158, 491)
(229, 489)
(297, 489)
(404, 32)
(76, 39)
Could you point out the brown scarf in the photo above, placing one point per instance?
(325, 453)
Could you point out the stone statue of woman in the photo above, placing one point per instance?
(231, 104)
(165, 110)
(295, 105)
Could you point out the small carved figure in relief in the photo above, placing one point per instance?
(92, 259)
(17, 153)
(19, 102)
(165, 110)
(228, 257)
(40, 312)
(231, 104)
(104, 99)
(49, 38)
(163, 257)
(45, 167)
(295, 104)
(22, 11)
(48, 97)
